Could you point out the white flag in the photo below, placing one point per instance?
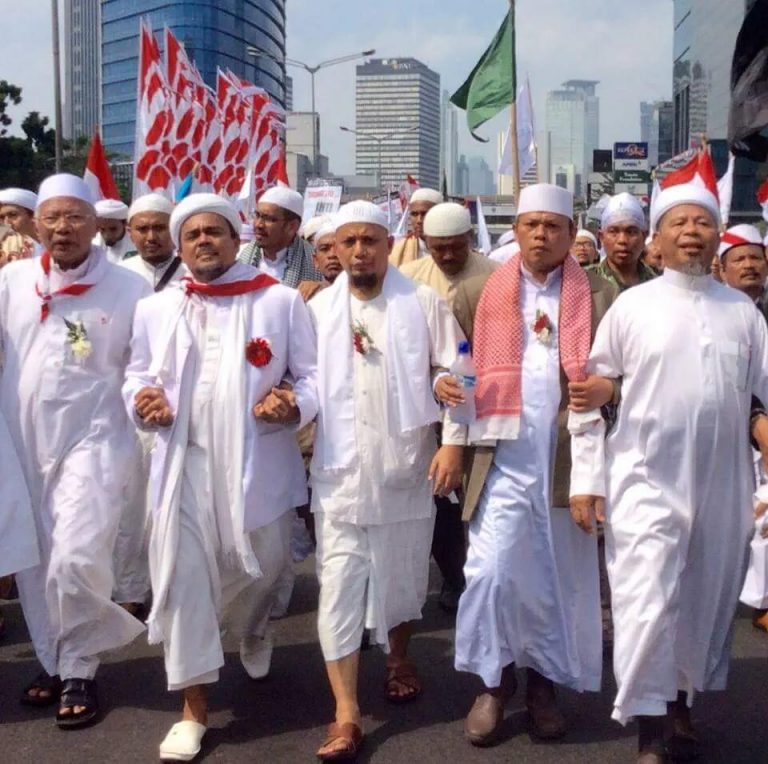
(526, 138)
(725, 190)
(483, 237)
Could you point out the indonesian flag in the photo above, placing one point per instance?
(700, 171)
(762, 197)
(97, 174)
(407, 187)
(725, 190)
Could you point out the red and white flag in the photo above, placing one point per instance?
(407, 187)
(97, 174)
(700, 171)
(725, 190)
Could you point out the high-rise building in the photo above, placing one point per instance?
(288, 93)
(505, 184)
(397, 106)
(573, 125)
(481, 177)
(82, 68)
(449, 153)
(656, 129)
(705, 34)
(215, 33)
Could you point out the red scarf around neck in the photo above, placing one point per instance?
(232, 289)
(45, 295)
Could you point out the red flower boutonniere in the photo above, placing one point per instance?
(542, 327)
(361, 340)
(258, 352)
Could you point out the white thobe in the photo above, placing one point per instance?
(275, 268)
(205, 590)
(374, 520)
(76, 447)
(677, 477)
(532, 595)
(153, 274)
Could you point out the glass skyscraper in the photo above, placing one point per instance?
(215, 33)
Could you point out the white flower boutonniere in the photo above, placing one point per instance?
(78, 340)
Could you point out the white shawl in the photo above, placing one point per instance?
(408, 369)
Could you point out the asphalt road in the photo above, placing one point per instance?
(283, 718)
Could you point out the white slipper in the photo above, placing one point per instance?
(182, 743)
(256, 655)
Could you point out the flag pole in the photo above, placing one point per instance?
(514, 150)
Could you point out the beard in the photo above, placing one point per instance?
(694, 268)
(364, 280)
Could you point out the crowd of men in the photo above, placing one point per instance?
(178, 389)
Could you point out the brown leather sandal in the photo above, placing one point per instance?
(402, 676)
(352, 737)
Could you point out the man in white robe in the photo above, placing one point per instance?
(65, 329)
(158, 264)
(532, 594)
(207, 358)
(374, 468)
(113, 235)
(676, 473)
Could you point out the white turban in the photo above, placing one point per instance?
(623, 208)
(447, 219)
(111, 209)
(427, 195)
(284, 197)
(197, 203)
(506, 238)
(20, 197)
(361, 212)
(64, 185)
(544, 197)
(583, 233)
(147, 203)
(739, 236)
(685, 193)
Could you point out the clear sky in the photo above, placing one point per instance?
(624, 44)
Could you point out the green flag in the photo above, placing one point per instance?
(492, 84)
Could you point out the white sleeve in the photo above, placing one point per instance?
(302, 360)
(137, 372)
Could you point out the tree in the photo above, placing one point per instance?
(9, 94)
(42, 137)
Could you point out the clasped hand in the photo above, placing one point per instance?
(153, 407)
(278, 407)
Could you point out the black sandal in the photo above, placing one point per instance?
(42, 682)
(78, 692)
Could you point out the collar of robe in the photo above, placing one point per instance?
(687, 281)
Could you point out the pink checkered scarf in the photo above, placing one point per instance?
(499, 337)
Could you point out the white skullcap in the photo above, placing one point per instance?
(20, 197)
(327, 228)
(146, 203)
(64, 185)
(738, 236)
(685, 193)
(427, 195)
(111, 209)
(447, 219)
(310, 227)
(284, 197)
(361, 212)
(246, 232)
(506, 238)
(544, 197)
(623, 208)
(197, 203)
(583, 233)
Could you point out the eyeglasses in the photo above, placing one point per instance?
(270, 219)
(75, 221)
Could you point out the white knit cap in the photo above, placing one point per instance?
(738, 236)
(684, 193)
(147, 203)
(506, 238)
(583, 233)
(64, 185)
(197, 203)
(623, 208)
(361, 212)
(309, 228)
(427, 195)
(284, 197)
(327, 228)
(544, 197)
(111, 209)
(20, 197)
(447, 219)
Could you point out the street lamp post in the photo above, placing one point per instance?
(380, 140)
(313, 70)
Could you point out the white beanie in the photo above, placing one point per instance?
(739, 236)
(20, 197)
(545, 197)
(623, 208)
(447, 219)
(150, 203)
(583, 233)
(111, 209)
(684, 193)
(64, 185)
(361, 212)
(197, 203)
(427, 195)
(284, 197)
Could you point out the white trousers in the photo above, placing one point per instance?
(373, 577)
(532, 596)
(193, 649)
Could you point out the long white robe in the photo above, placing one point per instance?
(532, 594)
(677, 476)
(374, 519)
(197, 586)
(76, 447)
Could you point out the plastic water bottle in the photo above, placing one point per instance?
(463, 369)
